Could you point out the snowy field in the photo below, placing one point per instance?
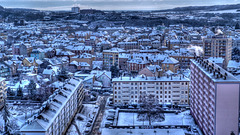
(107, 131)
(128, 119)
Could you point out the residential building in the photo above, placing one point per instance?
(84, 57)
(76, 9)
(111, 57)
(218, 46)
(170, 64)
(166, 89)
(25, 49)
(57, 113)
(4, 70)
(38, 53)
(3, 91)
(214, 96)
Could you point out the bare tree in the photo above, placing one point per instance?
(150, 109)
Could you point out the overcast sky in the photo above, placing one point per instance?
(110, 4)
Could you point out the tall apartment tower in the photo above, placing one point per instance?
(76, 9)
(218, 46)
(214, 102)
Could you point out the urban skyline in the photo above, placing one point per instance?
(110, 5)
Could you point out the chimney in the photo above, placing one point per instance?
(171, 77)
(180, 77)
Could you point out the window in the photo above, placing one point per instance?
(169, 92)
(157, 88)
(169, 96)
(135, 83)
(161, 96)
(157, 92)
(186, 83)
(169, 87)
(165, 96)
(169, 83)
(165, 92)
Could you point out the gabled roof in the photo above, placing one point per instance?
(170, 60)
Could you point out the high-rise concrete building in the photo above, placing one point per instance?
(218, 46)
(76, 9)
(214, 99)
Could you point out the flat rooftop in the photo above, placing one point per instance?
(214, 71)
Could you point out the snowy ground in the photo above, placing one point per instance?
(86, 113)
(128, 119)
(107, 131)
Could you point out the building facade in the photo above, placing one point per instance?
(111, 57)
(56, 114)
(214, 96)
(166, 89)
(218, 46)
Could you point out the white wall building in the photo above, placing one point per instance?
(174, 90)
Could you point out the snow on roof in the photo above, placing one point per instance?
(30, 59)
(48, 71)
(57, 103)
(142, 78)
(170, 60)
(216, 59)
(233, 64)
(118, 50)
(2, 79)
(229, 77)
(39, 62)
(98, 73)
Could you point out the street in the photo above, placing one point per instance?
(97, 124)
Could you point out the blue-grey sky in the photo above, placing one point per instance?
(110, 4)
